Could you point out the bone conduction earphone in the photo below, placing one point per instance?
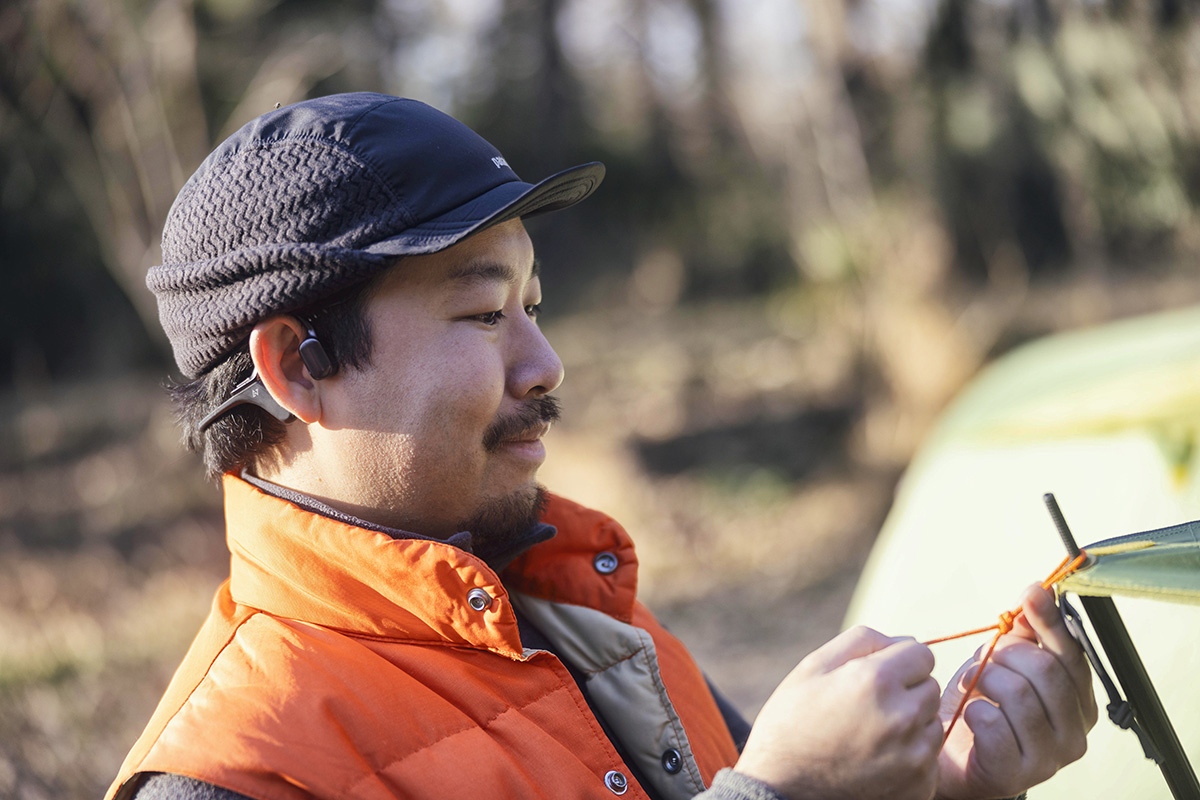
(252, 392)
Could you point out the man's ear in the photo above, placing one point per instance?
(275, 350)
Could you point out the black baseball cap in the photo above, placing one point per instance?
(312, 198)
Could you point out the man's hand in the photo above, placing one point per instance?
(858, 718)
(1033, 709)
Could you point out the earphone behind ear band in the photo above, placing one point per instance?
(312, 353)
(252, 392)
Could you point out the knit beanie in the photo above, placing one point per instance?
(312, 198)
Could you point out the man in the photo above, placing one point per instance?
(348, 284)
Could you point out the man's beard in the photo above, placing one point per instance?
(499, 527)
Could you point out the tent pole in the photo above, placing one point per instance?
(1131, 674)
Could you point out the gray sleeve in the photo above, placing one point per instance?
(166, 786)
(730, 785)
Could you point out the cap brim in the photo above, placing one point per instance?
(507, 201)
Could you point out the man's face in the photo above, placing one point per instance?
(446, 422)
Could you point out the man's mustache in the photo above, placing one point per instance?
(541, 410)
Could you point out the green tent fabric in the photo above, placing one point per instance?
(1163, 564)
(1107, 419)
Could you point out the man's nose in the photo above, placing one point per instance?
(535, 369)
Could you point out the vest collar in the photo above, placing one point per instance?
(296, 564)
(497, 560)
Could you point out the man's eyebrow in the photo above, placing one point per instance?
(478, 271)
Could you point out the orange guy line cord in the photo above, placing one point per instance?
(1068, 566)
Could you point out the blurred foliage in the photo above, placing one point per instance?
(1068, 130)
(820, 218)
(105, 108)
(748, 150)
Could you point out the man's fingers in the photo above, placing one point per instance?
(879, 735)
(1038, 699)
(995, 740)
(929, 701)
(1043, 617)
(1018, 698)
(1066, 708)
(996, 752)
(909, 662)
(1033, 706)
(856, 642)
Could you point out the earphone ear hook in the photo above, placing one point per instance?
(249, 392)
(252, 392)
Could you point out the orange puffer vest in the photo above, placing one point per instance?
(338, 662)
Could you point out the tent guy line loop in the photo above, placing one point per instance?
(1120, 713)
(1003, 626)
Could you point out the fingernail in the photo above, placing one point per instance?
(1041, 600)
(967, 677)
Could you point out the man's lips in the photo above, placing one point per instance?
(530, 435)
(525, 425)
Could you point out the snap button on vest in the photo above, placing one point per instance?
(616, 782)
(672, 761)
(605, 563)
(478, 599)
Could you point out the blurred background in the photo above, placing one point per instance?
(821, 219)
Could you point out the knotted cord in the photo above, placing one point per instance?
(1005, 624)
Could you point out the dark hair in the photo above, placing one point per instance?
(246, 437)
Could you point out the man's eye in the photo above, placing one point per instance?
(532, 311)
(490, 318)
